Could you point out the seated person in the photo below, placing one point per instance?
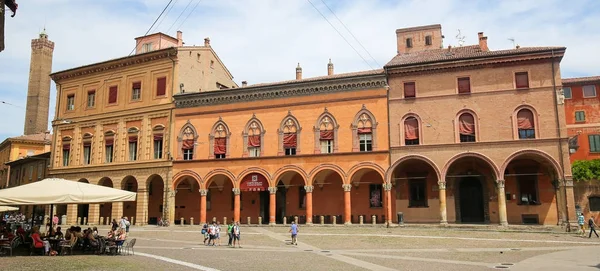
(95, 231)
(20, 230)
(58, 232)
(38, 242)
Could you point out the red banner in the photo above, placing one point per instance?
(254, 182)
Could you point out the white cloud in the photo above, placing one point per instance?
(263, 40)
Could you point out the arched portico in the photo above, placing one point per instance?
(187, 203)
(83, 209)
(531, 179)
(156, 198)
(254, 184)
(293, 197)
(329, 183)
(370, 194)
(130, 183)
(218, 195)
(106, 209)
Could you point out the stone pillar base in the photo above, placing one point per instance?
(347, 223)
(308, 224)
(504, 224)
(272, 223)
(443, 222)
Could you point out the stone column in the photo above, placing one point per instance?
(347, 204)
(502, 203)
(94, 214)
(309, 210)
(117, 211)
(141, 210)
(443, 213)
(203, 193)
(387, 187)
(170, 205)
(71, 214)
(236, 204)
(272, 199)
(569, 201)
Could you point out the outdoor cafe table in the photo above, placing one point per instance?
(54, 242)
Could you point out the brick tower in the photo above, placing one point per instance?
(38, 93)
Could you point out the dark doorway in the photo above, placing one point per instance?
(264, 206)
(82, 212)
(280, 203)
(471, 200)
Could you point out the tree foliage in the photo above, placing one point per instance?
(586, 170)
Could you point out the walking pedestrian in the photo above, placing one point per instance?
(205, 232)
(212, 233)
(230, 232)
(592, 225)
(236, 234)
(294, 232)
(218, 233)
(581, 222)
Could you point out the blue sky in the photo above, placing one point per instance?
(263, 40)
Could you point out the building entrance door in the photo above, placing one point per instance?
(471, 200)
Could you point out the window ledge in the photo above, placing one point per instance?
(523, 88)
(529, 204)
(425, 206)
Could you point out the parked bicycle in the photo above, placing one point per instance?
(163, 223)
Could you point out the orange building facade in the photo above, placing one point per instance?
(475, 134)
(315, 149)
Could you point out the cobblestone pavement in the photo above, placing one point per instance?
(352, 248)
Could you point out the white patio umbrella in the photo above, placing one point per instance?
(60, 191)
(7, 209)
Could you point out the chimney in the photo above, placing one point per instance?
(298, 72)
(244, 83)
(207, 42)
(179, 38)
(518, 46)
(483, 42)
(330, 68)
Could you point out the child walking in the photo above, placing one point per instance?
(294, 232)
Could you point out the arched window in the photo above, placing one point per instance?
(66, 151)
(253, 135)
(289, 136)
(219, 139)
(188, 143)
(326, 133)
(466, 127)
(87, 148)
(411, 131)
(525, 124)
(109, 149)
(364, 130)
(132, 134)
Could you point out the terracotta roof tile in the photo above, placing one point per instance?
(326, 77)
(581, 80)
(458, 53)
(34, 137)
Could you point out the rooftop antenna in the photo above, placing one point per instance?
(513, 41)
(461, 39)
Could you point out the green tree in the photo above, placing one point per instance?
(586, 170)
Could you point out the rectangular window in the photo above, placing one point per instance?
(65, 156)
(375, 196)
(91, 99)
(467, 138)
(526, 133)
(290, 151)
(219, 156)
(417, 193)
(409, 142)
(409, 90)
(254, 151)
(30, 173)
(108, 149)
(40, 171)
(409, 43)
(594, 143)
(365, 141)
(112, 94)
(528, 192)
(136, 91)
(579, 115)
(521, 80)
(464, 85)
(594, 204)
(567, 93)
(87, 153)
(428, 40)
(188, 154)
(161, 86)
(301, 198)
(147, 47)
(326, 146)
(133, 149)
(158, 148)
(71, 102)
(589, 91)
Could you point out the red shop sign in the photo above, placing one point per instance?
(254, 182)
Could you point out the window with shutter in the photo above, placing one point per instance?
(112, 94)
(161, 86)
(464, 85)
(136, 91)
(521, 80)
(409, 90)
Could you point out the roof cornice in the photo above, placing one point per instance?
(249, 94)
(477, 61)
(114, 64)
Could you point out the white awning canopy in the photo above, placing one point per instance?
(8, 209)
(61, 191)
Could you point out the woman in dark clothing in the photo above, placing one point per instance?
(114, 225)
